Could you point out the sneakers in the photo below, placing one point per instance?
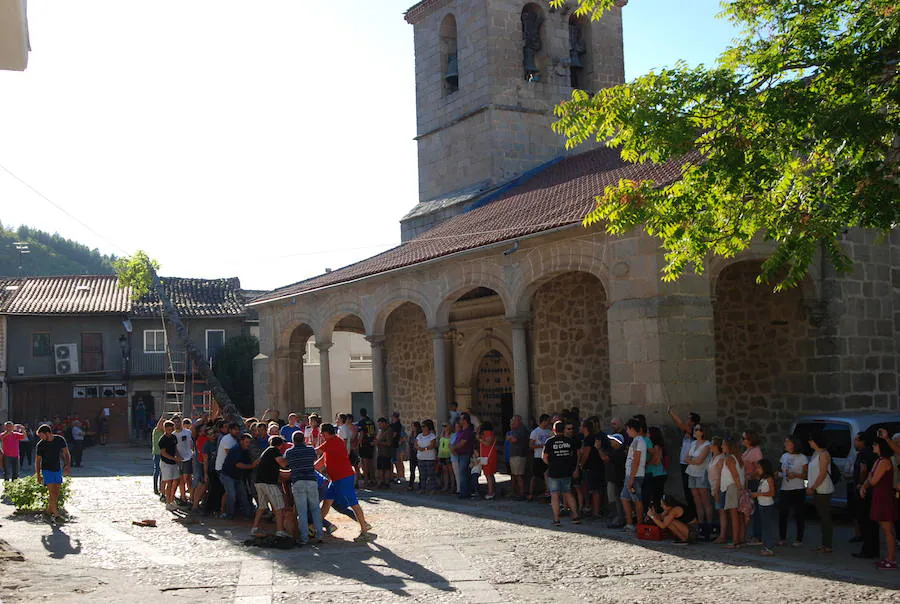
(331, 529)
(171, 507)
(886, 565)
(766, 552)
(629, 528)
(255, 531)
(277, 534)
(797, 544)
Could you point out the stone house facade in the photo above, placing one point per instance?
(500, 300)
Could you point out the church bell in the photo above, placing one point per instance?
(452, 66)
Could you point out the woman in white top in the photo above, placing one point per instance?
(698, 460)
(714, 475)
(793, 491)
(730, 485)
(821, 487)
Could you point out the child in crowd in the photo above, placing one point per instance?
(765, 505)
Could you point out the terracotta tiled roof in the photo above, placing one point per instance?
(195, 298)
(67, 295)
(560, 195)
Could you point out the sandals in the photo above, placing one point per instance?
(738, 545)
(823, 550)
(556, 523)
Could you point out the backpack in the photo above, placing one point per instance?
(834, 472)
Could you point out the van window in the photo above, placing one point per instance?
(838, 439)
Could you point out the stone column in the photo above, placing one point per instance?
(440, 374)
(378, 393)
(521, 380)
(325, 376)
(280, 372)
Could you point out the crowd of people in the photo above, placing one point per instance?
(730, 493)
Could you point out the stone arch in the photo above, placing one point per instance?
(542, 266)
(765, 348)
(467, 365)
(466, 283)
(395, 298)
(286, 333)
(286, 372)
(337, 319)
(409, 363)
(570, 345)
(449, 45)
(759, 252)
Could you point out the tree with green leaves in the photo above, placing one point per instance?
(793, 136)
(234, 368)
(138, 272)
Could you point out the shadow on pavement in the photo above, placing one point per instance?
(837, 566)
(59, 544)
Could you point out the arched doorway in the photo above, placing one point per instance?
(492, 399)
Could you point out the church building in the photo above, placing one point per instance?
(499, 299)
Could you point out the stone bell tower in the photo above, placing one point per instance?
(488, 74)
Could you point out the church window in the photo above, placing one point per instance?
(449, 55)
(532, 20)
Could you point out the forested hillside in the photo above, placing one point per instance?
(49, 255)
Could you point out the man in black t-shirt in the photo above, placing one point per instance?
(592, 469)
(170, 473)
(46, 466)
(561, 457)
(268, 486)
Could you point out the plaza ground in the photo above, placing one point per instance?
(426, 548)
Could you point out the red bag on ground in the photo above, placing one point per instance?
(651, 532)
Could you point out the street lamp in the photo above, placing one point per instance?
(22, 248)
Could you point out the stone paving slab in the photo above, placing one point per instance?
(428, 549)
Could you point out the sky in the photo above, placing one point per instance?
(267, 140)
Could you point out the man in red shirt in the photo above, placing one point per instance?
(336, 460)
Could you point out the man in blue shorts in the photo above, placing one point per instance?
(334, 457)
(47, 456)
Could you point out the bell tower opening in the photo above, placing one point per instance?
(489, 74)
(449, 55)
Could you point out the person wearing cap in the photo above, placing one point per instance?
(237, 463)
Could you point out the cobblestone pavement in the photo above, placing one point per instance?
(457, 551)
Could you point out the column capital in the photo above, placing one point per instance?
(376, 340)
(519, 321)
(439, 332)
(324, 346)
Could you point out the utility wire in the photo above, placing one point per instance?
(63, 210)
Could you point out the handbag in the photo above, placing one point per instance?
(484, 460)
(745, 503)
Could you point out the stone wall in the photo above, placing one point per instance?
(763, 347)
(570, 344)
(410, 364)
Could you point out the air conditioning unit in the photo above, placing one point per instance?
(78, 392)
(65, 356)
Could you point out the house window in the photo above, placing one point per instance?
(449, 55)
(215, 339)
(154, 341)
(360, 361)
(91, 351)
(40, 344)
(312, 353)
